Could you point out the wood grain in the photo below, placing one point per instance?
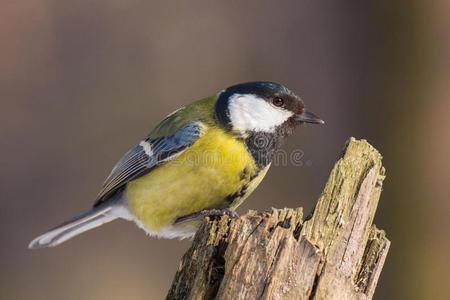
(336, 254)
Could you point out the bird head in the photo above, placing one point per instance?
(262, 107)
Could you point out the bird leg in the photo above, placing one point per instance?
(207, 213)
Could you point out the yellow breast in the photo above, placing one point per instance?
(207, 175)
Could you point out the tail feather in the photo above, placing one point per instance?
(84, 222)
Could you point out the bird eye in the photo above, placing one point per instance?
(277, 101)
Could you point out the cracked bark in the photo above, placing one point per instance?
(335, 254)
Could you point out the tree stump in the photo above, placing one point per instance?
(336, 253)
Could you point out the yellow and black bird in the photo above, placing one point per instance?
(202, 160)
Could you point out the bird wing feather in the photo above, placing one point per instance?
(148, 154)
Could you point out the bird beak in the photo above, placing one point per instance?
(308, 117)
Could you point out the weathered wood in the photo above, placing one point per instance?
(335, 254)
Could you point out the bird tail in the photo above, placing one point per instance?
(84, 222)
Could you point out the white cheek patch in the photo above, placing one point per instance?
(249, 112)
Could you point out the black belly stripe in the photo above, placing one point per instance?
(244, 174)
(262, 146)
(243, 190)
(239, 194)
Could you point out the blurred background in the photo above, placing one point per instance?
(82, 81)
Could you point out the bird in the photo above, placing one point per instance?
(202, 160)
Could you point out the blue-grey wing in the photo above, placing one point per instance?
(145, 156)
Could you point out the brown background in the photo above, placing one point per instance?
(82, 81)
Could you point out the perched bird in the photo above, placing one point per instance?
(202, 160)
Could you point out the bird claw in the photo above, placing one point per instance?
(207, 213)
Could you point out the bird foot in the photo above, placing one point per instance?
(207, 213)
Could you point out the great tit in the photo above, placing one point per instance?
(202, 160)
